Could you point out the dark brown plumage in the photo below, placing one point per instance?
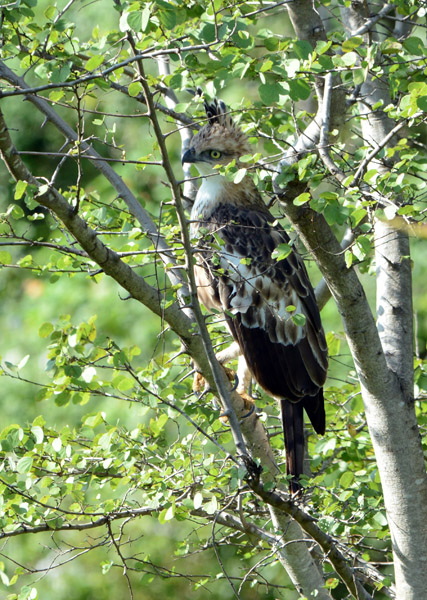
(255, 291)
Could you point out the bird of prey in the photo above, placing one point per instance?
(237, 274)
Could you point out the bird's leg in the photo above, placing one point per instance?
(244, 378)
(222, 357)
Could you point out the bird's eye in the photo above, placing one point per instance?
(215, 154)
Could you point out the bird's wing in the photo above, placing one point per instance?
(289, 360)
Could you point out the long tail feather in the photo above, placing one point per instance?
(293, 429)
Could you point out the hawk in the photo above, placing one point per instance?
(238, 275)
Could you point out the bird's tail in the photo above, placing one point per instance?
(293, 428)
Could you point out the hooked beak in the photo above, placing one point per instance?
(189, 156)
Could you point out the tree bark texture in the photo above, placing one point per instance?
(397, 446)
(383, 357)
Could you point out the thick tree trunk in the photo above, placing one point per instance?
(395, 435)
(400, 459)
(383, 357)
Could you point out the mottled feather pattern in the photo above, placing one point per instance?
(288, 360)
(237, 275)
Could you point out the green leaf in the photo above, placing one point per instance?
(56, 95)
(372, 174)
(241, 173)
(138, 20)
(212, 506)
(16, 212)
(357, 215)
(106, 566)
(299, 319)
(303, 49)
(21, 186)
(414, 45)
(359, 76)
(37, 433)
(349, 258)
(390, 211)
(88, 374)
(134, 88)
(302, 199)
(57, 444)
(346, 479)
(281, 252)
(334, 343)
(391, 46)
(24, 465)
(23, 362)
(170, 513)
(271, 43)
(123, 22)
(329, 196)
(145, 18)
(299, 89)
(168, 18)
(49, 13)
(94, 62)
(266, 66)
(45, 330)
(380, 518)
(207, 33)
(349, 59)
(123, 383)
(422, 103)
(198, 500)
(269, 92)
(351, 43)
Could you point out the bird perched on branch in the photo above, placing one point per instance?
(268, 304)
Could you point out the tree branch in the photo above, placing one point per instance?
(325, 541)
(176, 276)
(308, 26)
(190, 187)
(221, 381)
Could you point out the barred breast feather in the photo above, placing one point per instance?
(237, 274)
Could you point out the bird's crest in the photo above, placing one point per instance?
(216, 112)
(220, 132)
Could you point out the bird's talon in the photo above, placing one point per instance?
(199, 383)
(248, 414)
(248, 403)
(236, 382)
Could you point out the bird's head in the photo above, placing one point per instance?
(218, 142)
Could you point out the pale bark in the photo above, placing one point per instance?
(308, 26)
(397, 448)
(383, 357)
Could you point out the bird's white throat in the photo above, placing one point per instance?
(208, 196)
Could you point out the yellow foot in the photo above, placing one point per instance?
(200, 384)
(248, 403)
